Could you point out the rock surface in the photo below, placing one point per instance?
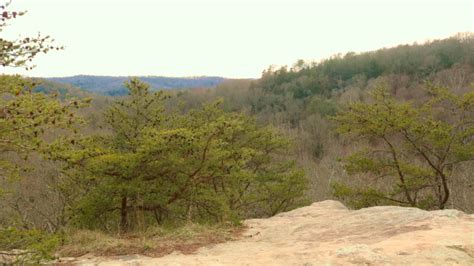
(327, 233)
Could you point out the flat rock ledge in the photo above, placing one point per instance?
(327, 233)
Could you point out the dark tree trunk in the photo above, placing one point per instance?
(446, 192)
(123, 215)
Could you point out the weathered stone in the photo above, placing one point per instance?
(327, 233)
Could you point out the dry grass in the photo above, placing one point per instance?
(154, 242)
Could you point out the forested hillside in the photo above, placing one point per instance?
(64, 90)
(302, 101)
(113, 86)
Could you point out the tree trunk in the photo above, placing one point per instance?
(189, 213)
(123, 215)
(446, 192)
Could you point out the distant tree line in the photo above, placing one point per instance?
(113, 86)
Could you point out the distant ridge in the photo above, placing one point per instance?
(113, 86)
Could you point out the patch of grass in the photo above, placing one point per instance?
(154, 242)
(20, 246)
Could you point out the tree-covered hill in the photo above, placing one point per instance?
(420, 61)
(297, 92)
(109, 85)
(63, 89)
(302, 100)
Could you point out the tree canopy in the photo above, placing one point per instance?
(201, 165)
(21, 52)
(416, 147)
(25, 116)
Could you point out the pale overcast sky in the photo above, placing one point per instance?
(224, 38)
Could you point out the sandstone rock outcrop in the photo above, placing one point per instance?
(327, 233)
